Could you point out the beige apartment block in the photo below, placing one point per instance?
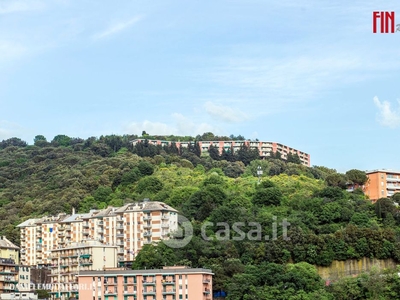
(8, 250)
(128, 227)
(68, 262)
(264, 148)
(169, 283)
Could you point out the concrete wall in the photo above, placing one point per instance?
(353, 267)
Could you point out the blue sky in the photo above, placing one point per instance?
(309, 74)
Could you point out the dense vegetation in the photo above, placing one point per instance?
(326, 222)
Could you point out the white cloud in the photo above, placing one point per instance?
(224, 113)
(388, 116)
(181, 125)
(13, 6)
(115, 28)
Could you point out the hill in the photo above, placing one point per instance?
(326, 222)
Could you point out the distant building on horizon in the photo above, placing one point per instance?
(264, 148)
(382, 183)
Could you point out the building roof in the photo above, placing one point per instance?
(29, 222)
(87, 244)
(383, 171)
(6, 244)
(76, 217)
(177, 270)
(146, 205)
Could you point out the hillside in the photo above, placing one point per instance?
(326, 222)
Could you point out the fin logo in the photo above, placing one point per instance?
(385, 20)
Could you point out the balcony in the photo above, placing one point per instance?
(207, 291)
(120, 235)
(165, 217)
(147, 218)
(127, 293)
(149, 283)
(393, 187)
(168, 282)
(206, 281)
(147, 233)
(169, 292)
(85, 232)
(120, 242)
(392, 179)
(61, 234)
(147, 226)
(86, 263)
(86, 225)
(121, 251)
(152, 292)
(164, 225)
(114, 293)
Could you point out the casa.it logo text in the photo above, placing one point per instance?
(385, 21)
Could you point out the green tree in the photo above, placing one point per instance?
(338, 180)
(357, 177)
(61, 140)
(214, 152)
(149, 184)
(267, 196)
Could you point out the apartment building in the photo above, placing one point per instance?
(382, 183)
(8, 250)
(128, 227)
(169, 283)
(264, 148)
(68, 262)
(8, 276)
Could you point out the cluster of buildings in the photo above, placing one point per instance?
(125, 228)
(264, 148)
(90, 255)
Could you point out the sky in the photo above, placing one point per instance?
(308, 74)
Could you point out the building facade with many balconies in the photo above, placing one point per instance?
(128, 227)
(382, 184)
(264, 148)
(8, 276)
(68, 262)
(169, 283)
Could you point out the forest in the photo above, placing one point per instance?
(326, 221)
